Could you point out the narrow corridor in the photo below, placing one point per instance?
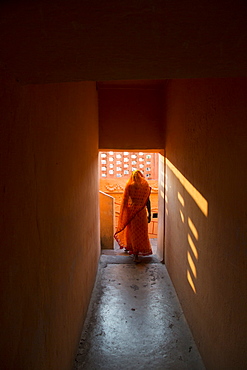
(135, 320)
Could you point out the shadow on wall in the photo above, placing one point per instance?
(188, 219)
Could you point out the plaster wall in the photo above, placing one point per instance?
(123, 39)
(107, 215)
(206, 219)
(130, 117)
(161, 207)
(49, 220)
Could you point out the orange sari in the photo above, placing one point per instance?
(132, 230)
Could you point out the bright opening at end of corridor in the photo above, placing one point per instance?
(115, 169)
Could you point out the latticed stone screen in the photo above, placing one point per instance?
(121, 164)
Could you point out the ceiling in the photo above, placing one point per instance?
(79, 40)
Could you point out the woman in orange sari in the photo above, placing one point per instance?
(132, 230)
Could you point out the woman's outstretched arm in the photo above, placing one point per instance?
(148, 205)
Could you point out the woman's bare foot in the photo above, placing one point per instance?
(136, 260)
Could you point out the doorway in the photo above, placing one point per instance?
(115, 168)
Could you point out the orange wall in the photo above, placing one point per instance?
(130, 118)
(101, 40)
(49, 218)
(206, 228)
(48, 172)
(107, 215)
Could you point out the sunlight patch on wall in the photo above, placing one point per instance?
(193, 228)
(194, 193)
(191, 264)
(181, 215)
(192, 246)
(181, 199)
(182, 203)
(192, 285)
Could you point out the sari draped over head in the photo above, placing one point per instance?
(132, 229)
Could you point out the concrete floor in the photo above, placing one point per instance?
(135, 320)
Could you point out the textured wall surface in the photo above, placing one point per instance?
(58, 41)
(206, 219)
(130, 117)
(49, 221)
(161, 206)
(107, 216)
